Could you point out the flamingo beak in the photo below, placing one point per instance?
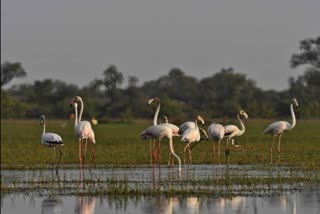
(150, 101)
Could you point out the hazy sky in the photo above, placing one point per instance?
(75, 40)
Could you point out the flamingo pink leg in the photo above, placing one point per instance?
(93, 154)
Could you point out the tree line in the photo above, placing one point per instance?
(182, 96)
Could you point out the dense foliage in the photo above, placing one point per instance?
(182, 96)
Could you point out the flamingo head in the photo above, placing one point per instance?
(74, 100)
(154, 100)
(42, 119)
(165, 119)
(244, 114)
(199, 118)
(295, 102)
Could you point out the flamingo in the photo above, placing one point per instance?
(231, 131)
(83, 131)
(216, 133)
(173, 127)
(51, 140)
(175, 130)
(159, 132)
(183, 127)
(277, 128)
(191, 135)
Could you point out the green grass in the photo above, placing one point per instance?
(119, 144)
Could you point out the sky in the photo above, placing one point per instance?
(76, 40)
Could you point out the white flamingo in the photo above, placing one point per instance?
(51, 140)
(189, 136)
(190, 124)
(173, 127)
(159, 132)
(83, 131)
(277, 128)
(216, 133)
(231, 131)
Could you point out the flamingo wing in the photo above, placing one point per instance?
(230, 129)
(216, 131)
(83, 129)
(185, 126)
(277, 128)
(51, 139)
(191, 135)
(174, 128)
(156, 132)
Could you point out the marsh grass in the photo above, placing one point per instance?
(119, 144)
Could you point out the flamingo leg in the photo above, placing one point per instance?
(80, 151)
(155, 151)
(52, 158)
(214, 151)
(271, 148)
(184, 150)
(279, 143)
(219, 150)
(59, 159)
(93, 154)
(159, 155)
(194, 145)
(151, 149)
(85, 150)
(171, 160)
(227, 151)
(190, 157)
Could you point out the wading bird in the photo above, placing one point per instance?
(51, 140)
(189, 136)
(83, 131)
(173, 127)
(216, 133)
(158, 132)
(277, 128)
(231, 131)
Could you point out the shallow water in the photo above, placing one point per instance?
(143, 189)
(302, 202)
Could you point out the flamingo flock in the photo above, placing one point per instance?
(190, 134)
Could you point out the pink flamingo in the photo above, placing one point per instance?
(158, 132)
(277, 128)
(174, 128)
(216, 133)
(191, 135)
(83, 131)
(231, 131)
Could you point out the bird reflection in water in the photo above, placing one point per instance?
(51, 205)
(85, 205)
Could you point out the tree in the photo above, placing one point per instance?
(310, 54)
(112, 79)
(307, 86)
(11, 70)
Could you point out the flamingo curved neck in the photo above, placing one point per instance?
(81, 109)
(293, 124)
(243, 128)
(155, 118)
(196, 124)
(44, 128)
(174, 154)
(75, 115)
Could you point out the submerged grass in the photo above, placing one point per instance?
(228, 185)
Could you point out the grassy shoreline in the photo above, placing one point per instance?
(119, 144)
